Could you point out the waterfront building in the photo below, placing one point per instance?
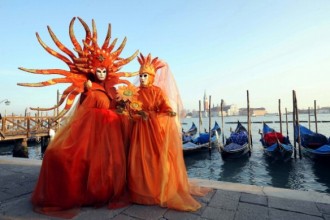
(323, 110)
(253, 111)
(227, 110)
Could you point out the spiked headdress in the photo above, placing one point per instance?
(148, 65)
(90, 56)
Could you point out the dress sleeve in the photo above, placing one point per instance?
(96, 99)
(164, 105)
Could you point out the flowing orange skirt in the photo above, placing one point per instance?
(156, 169)
(84, 165)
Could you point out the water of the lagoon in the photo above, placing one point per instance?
(302, 174)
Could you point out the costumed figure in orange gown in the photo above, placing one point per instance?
(85, 164)
(156, 171)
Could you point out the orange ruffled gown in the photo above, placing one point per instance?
(85, 164)
(156, 169)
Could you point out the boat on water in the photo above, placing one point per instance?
(203, 141)
(315, 145)
(190, 134)
(216, 129)
(276, 145)
(237, 145)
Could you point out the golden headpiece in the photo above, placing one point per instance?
(103, 56)
(149, 65)
(90, 57)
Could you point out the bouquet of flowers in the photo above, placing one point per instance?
(127, 97)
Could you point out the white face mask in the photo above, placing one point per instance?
(101, 73)
(144, 79)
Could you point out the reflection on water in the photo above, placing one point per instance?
(322, 175)
(202, 164)
(301, 174)
(34, 150)
(280, 172)
(231, 170)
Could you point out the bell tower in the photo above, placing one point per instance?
(206, 102)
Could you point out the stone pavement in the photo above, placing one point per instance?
(226, 201)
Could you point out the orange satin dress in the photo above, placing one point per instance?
(156, 170)
(85, 164)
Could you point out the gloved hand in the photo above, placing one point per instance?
(88, 84)
(172, 114)
(143, 114)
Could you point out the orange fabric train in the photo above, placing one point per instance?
(156, 169)
(85, 164)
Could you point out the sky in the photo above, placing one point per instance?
(217, 47)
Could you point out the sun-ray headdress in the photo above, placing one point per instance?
(90, 56)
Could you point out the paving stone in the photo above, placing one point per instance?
(27, 169)
(102, 213)
(228, 194)
(276, 214)
(225, 200)
(8, 180)
(294, 205)
(247, 211)
(201, 210)
(324, 208)
(145, 212)
(174, 215)
(4, 196)
(16, 189)
(124, 217)
(13, 182)
(18, 181)
(217, 213)
(254, 199)
(4, 173)
(326, 217)
(207, 198)
(17, 208)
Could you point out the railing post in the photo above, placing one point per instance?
(49, 123)
(28, 127)
(4, 127)
(2, 121)
(2, 131)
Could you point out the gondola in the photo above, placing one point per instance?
(201, 142)
(237, 145)
(275, 144)
(216, 128)
(190, 134)
(313, 144)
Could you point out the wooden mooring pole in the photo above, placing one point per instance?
(199, 117)
(309, 118)
(294, 125)
(280, 114)
(222, 126)
(297, 123)
(210, 144)
(286, 122)
(249, 120)
(315, 115)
